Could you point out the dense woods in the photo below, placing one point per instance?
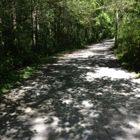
(128, 34)
(33, 29)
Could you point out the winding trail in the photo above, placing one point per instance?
(85, 95)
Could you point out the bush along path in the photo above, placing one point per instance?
(84, 95)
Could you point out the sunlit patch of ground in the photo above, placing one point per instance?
(85, 95)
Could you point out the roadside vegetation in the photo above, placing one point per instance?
(127, 48)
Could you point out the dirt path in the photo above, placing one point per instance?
(83, 96)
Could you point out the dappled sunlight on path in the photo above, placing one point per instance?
(85, 95)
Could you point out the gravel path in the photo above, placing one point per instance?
(85, 95)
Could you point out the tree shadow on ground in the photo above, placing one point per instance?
(70, 100)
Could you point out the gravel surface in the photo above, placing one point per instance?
(85, 95)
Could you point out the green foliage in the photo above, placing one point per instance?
(128, 49)
(36, 29)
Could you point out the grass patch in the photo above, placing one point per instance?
(7, 82)
(13, 79)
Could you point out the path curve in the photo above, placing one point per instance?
(85, 95)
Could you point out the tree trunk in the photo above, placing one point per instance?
(2, 48)
(32, 22)
(36, 28)
(116, 24)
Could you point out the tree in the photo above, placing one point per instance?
(33, 29)
(116, 23)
